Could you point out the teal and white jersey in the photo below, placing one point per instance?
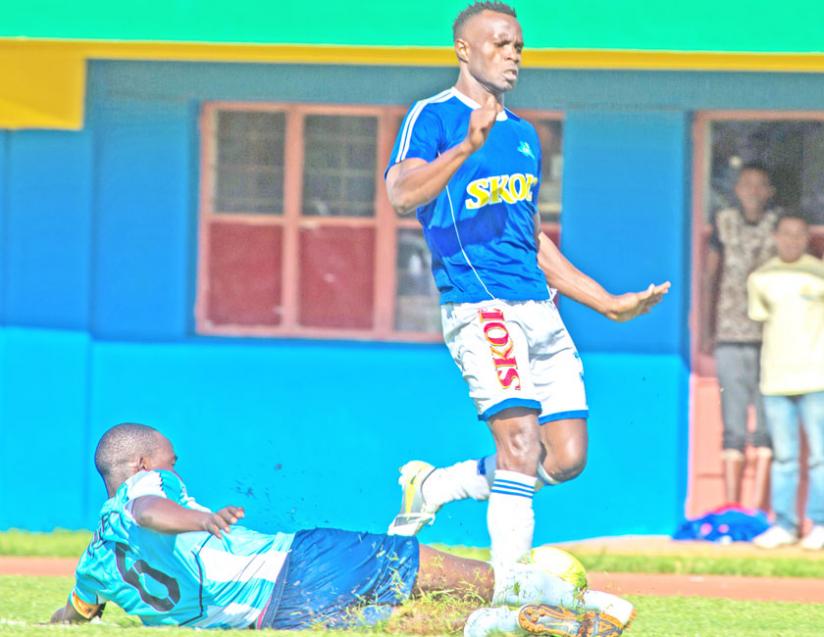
(192, 579)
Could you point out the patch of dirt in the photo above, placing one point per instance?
(665, 545)
(53, 566)
(768, 589)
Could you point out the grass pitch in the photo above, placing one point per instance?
(27, 602)
(58, 543)
(73, 543)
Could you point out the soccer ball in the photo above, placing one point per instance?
(560, 563)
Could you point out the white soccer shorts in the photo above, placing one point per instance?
(516, 354)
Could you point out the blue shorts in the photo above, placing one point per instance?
(333, 578)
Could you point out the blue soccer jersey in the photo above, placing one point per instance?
(481, 227)
(192, 579)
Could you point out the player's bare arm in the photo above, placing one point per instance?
(709, 292)
(164, 516)
(573, 283)
(415, 182)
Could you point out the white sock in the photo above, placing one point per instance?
(509, 517)
(458, 482)
(468, 479)
(520, 584)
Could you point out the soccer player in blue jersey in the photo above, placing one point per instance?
(471, 169)
(161, 556)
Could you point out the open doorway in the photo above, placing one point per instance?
(791, 148)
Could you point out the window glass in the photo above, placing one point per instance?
(249, 162)
(339, 165)
(550, 133)
(416, 309)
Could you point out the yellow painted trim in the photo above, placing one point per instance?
(426, 56)
(676, 61)
(43, 83)
(42, 89)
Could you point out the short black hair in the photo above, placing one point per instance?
(756, 165)
(793, 214)
(474, 9)
(119, 446)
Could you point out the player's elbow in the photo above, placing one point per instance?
(402, 195)
(548, 265)
(143, 517)
(400, 201)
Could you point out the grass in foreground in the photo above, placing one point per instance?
(58, 543)
(72, 544)
(26, 602)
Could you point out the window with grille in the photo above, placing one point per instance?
(297, 237)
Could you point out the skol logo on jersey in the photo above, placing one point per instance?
(501, 346)
(507, 188)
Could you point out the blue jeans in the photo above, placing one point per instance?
(782, 418)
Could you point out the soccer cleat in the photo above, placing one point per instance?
(814, 540)
(554, 621)
(414, 513)
(774, 537)
(608, 605)
(601, 625)
(543, 619)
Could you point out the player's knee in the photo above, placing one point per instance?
(573, 467)
(566, 466)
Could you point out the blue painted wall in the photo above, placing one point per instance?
(44, 376)
(98, 236)
(143, 214)
(252, 427)
(625, 187)
(49, 227)
(4, 248)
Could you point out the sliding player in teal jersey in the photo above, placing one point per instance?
(164, 558)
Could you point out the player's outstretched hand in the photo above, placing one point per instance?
(219, 522)
(481, 122)
(626, 307)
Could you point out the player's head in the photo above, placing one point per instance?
(128, 448)
(792, 237)
(754, 187)
(488, 43)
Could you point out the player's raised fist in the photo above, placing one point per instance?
(481, 122)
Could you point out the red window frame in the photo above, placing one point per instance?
(385, 223)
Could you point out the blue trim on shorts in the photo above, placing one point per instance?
(508, 404)
(564, 415)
